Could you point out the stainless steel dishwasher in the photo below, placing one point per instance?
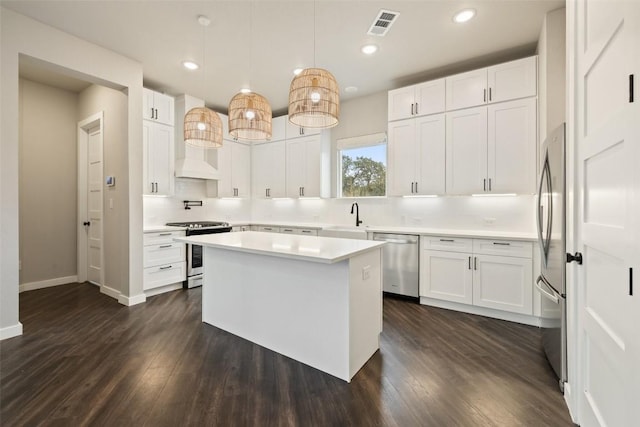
(400, 263)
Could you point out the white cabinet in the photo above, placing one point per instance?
(304, 166)
(494, 274)
(295, 131)
(498, 83)
(157, 107)
(466, 147)
(238, 228)
(164, 260)
(158, 158)
(492, 149)
(279, 128)
(298, 230)
(234, 165)
(268, 169)
(417, 100)
(417, 156)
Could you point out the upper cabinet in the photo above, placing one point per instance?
(158, 158)
(498, 83)
(307, 166)
(234, 165)
(417, 100)
(157, 107)
(268, 170)
(279, 128)
(294, 131)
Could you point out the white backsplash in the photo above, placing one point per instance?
(516, 214)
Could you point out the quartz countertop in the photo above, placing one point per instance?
(326, 250)
(158, 228)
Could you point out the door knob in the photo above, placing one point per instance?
(86, 223)
(577, 257)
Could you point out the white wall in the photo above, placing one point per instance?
(48, 176)
(79, 58)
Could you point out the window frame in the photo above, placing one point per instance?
(370, 140)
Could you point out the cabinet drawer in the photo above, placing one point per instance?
(154, 277)
(443, 243)
(162, 237)
(268, 229)
(164, 254)
(288, 230)
(503, 247)
(307, 232)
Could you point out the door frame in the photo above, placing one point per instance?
(84, 126)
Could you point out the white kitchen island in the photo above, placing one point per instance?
(314, 299)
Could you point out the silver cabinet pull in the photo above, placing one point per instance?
(447, 240)
(166, 267)
(489, 184)
(489, 94)
(475, 262)
(485, 96)
(416, 187)
(416, 108)
(469, 263)
(412, 109)
(502, 243)
(412, 188)
(485, 184)
(164, 246)
(164, 234)
(306, 231)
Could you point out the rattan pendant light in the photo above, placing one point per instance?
(202, 126)
(250, 113)
(314, 96)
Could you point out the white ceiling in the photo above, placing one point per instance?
(423, 43)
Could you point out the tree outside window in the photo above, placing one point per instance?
(364, 171)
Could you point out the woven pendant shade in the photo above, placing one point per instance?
(202, 128)
(250, 117)
(314, 99)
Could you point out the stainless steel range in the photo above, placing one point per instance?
(195, 268)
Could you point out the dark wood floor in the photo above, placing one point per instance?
(86, 360)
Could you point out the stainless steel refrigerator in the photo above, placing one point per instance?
(552, 241)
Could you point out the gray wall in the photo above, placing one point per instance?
(115, 232)
(47, 182)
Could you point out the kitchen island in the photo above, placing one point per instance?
(314, 299)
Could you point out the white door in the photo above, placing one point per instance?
(606, 149)
(313, 162)
(94, 205)
(402, 157)
(512, 146)
(430, 138)
(466, 162)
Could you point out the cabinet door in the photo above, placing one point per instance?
(241, 169)
(147, 104)
(260, 176)
(147, 162)
(279, 128)
(277, 169)
(225, 185)
(430, 140)
(400, 103)
(513, 80)
(446, 276)
(164, 105)
(294, 131)
(466, 149)
(512, 135)
(467, 89)
(429, 97)
(295, 166)
(158, 158)
(503, 283)
(313, 162)
(402, 157)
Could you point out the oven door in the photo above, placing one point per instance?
(194, 260)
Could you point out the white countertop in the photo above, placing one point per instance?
(157, 228)
(482, 233)
(326, 250)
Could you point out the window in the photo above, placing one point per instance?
(362, 165)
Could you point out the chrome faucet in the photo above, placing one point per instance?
(358, 220)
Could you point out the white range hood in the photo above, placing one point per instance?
(191, 162)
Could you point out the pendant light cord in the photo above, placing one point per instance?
(250, 42)
(314, 33)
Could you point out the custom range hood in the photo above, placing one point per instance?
(191, 162)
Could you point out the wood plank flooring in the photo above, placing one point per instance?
(84, 359)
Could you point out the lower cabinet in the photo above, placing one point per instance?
(164, 260)
(495, 274)
(285, 230)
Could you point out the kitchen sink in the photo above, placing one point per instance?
(344, 232)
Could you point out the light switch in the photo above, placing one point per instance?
(111, 203)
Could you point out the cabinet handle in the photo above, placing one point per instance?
(412, 109)
(502, 243)
(475, 262)
(306, 231)
(303, 191)
(447, 240)
(630, 281)
(416, 108)
(489, 94)
(416, 187)
(485, 95)
(164, 246)
(156, 113)
(288, 230)
(164, 234)
(412, 188)
(489, 184)
(485, 184)
(630, 87)
(469, 263)
(166, 268)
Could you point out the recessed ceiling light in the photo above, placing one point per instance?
(297, 71)
(464, 15)
(369, 49)
(190, 65)
(350, 89)
(245, 90)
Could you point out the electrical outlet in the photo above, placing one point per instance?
(366, 272)
(489, 221)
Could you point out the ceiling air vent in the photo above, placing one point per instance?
(383, 22)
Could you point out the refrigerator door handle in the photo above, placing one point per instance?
(550, 295)
(539, 216)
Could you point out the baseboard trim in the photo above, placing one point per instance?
(11, 331)
(129, 301)
(32, 286)
(163, 289)
(113, 293)
(482, 311)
